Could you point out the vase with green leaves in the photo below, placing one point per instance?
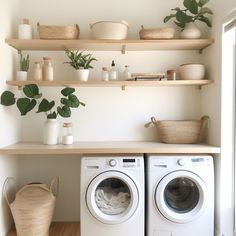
(81, 62)
(24, 67)
(194, 10)
(33, 98)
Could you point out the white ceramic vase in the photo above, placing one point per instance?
(51, 132)
(191, 31)
(83, 74)
(21, 75)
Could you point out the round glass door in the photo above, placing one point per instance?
(181, 196)
(112, 197)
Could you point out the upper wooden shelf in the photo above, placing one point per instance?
(110, 45)
(106, 147)
(118, 83)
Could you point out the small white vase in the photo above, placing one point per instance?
(83, 74)
(51, 132)
(191, 31)
(21, 75)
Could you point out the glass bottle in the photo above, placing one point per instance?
(67, 137)
(37, 71)
(105, 74)
(47, 69)
(113, 75)
(126, 73)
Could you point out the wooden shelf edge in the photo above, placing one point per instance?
(99, 83)
(115, 147)
(58, 229)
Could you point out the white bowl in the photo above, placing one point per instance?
(109, 30)
(192, 71)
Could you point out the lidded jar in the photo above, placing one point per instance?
(38, 74)
(47, 69)
(67, 137)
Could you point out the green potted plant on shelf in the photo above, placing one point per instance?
(32, 98)
(195, 10)
(24, 67)
(80, 62)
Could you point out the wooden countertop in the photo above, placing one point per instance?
(106, 147)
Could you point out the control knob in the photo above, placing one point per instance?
(112, 163)
(181, 162)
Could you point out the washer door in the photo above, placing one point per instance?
(112, 197)
(181, 196)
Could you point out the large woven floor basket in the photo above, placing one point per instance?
(179, 131)
(33, 208)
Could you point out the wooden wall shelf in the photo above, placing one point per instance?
(99, 83)
(59, 229)
(110, 45)
(106, 147)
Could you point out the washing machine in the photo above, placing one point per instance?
(112, 195)
(180, 195)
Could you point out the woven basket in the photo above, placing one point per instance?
(179, 131)
(58, 32)
(33, 208)
(157, 33)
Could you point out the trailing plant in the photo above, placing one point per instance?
(194, 10)
(79, 60)
(33, 97)
(24, 62)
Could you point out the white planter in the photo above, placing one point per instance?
(191, 31)
(25, 31)
(83, 74)
(21, 75)
(51, 132)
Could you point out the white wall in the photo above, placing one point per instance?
(9, 123)
(211, 98)
(110, 113)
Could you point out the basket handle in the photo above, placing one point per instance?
(38, 25)
(153, 121)
(55, 181)
(5, 188)
(204, 120)
(142, 27)
(77, 26)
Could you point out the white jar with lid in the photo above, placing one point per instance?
(25, 30)
(67, 137)
(47, 69)
(105, 74)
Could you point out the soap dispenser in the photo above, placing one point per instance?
(113, 75)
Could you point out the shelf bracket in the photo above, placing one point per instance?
(123, 87)
(123, 49)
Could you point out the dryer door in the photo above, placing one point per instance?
(112, 197)
(181, 196)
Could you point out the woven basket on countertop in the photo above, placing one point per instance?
(33, 208)
(179, 131)
(58, 32)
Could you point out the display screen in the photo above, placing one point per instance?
(129, 160)
(197, 159)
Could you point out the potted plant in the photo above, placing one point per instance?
(195, 10)
(81, 62)
(24, 67)
(32, 98)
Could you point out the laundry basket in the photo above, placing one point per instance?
(33, 207)
(179, 131)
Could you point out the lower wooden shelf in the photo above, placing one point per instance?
(59, 229)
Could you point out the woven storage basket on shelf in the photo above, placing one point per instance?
(156, 33)
(33, 208)
(179, 131)
(58, 32)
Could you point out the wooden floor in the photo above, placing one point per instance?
(59, 229)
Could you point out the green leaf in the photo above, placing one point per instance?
(202, 2)
(181, 25)
(64, 111)
(191, 5)
(67, 91)
(82, 104)
(31, 90)
(205, 10)
(73, 101)
(167, 18)
(176, 9)
(64, 101)
(183, 17)
(25, 105)
(45, 105)
(52, 115)
(8, 98)
(206, 20)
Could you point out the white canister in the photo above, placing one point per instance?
(67, 137)
(38, 74)
(25, 30)
(21, 75)
(51, 132)
(47, 69)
